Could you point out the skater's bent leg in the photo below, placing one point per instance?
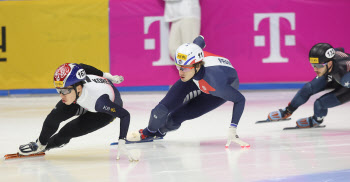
(51, 124)
(157, 119)
(175, 98)
(329, 100)
(80, 126)
(193, 109)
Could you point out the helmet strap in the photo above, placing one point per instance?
(331, 66)
(195, 72)
(76, 92)
(328, 68)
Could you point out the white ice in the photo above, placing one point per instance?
(195, 152)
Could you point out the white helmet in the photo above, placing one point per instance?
(188, 54)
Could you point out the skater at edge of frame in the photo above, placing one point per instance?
(206, 82)
(332, 66)
(88, 93)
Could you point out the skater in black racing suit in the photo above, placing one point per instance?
(332, 67)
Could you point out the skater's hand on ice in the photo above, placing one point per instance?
(114, 79)
(123, 150)
(233, 137)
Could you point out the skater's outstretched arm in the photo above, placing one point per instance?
(105, 105)
(230, 94)
(318, 84)
(90, 70)
(94, 71)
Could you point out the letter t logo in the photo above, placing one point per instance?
(275, 45)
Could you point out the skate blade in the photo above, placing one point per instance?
(17, 155)
(293, 128)
(142, 141)
(271, 121)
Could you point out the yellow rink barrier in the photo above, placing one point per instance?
(37, 36)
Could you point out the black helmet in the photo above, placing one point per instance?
(321, 53)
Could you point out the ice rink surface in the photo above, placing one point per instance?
(195, 152)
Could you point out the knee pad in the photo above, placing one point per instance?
(157, 118)
(320, 111)
(318, 105)
(307, 89)
(160, 111)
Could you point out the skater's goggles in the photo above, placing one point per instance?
(64, 91)
(317, 65)
(184, 68)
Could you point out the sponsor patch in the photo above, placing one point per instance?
(81, 74)
(58, 83)
(330, 53)
(314, 60)
(181, 56)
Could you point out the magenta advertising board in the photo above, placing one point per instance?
(267, 41)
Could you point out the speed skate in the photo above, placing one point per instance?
(137, 137)
(17, 155)
(141, 141)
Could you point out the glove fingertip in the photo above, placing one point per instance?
(228, 144)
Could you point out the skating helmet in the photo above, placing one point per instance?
(68, 74)
(188, 54)
(321, 53)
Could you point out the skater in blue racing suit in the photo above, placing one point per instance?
(206, 82)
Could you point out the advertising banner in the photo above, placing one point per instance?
(267, 41)
(36, 37)
(139, 43)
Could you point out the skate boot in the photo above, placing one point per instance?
(31, 148)
(159, 134)
(145, 134)
(142, 134)
(279, 115)
(308, 122)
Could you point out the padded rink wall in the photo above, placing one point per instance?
(266, 41)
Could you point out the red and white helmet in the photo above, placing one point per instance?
(68, 74)
(188, 54)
